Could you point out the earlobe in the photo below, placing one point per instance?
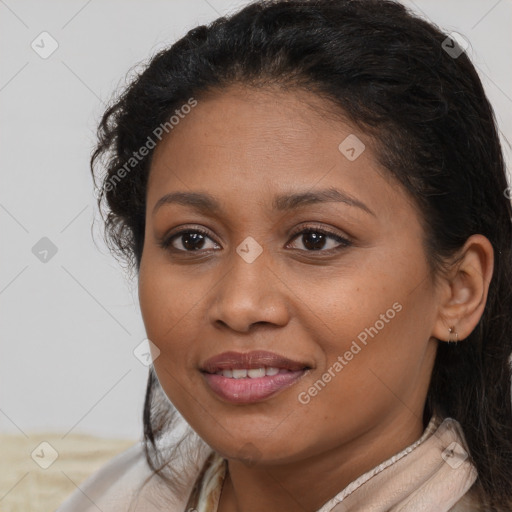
(454, 336)
(463, 295)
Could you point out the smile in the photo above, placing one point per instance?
(244, 378)
(252, 373)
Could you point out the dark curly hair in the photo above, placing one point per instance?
(386, 70)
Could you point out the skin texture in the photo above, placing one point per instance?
(243, 147)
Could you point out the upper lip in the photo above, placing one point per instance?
(249, 360)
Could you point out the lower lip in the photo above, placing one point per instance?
(247, 390)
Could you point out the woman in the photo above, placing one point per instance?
(314, 199)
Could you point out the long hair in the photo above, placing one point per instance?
(388, 72)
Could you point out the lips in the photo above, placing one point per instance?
(244, 378)
(251, 360)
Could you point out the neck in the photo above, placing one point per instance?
(308, 484)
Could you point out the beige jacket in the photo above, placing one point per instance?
(431, 475)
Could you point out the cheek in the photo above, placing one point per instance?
(168, 299)
(361, 382)
(373, 334)
(163, 318)
(168, 318)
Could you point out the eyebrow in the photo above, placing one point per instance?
(206, 203)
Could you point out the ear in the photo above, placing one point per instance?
(463, 290)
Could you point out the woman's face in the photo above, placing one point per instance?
(335, 324)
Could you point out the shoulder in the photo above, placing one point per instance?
(125, 483)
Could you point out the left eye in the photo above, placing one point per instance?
(314, 239)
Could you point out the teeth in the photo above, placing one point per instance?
(253, 373)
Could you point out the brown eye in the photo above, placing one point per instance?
(315, 239)
(190, 240)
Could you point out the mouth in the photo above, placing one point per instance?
(250, 377)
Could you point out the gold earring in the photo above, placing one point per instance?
(451, 330)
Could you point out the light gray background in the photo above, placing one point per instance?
(68, 327)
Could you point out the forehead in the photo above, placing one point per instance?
(254, 143)
(258, 123)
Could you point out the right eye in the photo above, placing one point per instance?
(191, 239)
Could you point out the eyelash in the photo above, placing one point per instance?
(344, 242)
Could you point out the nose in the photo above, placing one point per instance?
(249, 293)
